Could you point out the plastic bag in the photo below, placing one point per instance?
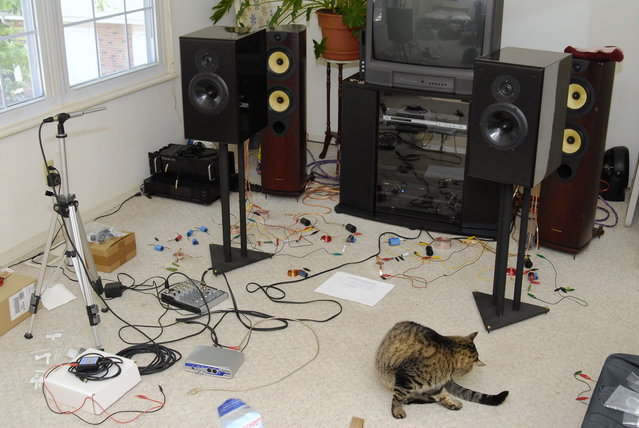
(625, 400)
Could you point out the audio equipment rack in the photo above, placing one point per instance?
(404, 159)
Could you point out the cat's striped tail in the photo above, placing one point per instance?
(475, 397)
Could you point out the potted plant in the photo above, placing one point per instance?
(340, 21)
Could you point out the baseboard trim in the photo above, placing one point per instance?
(35, 245)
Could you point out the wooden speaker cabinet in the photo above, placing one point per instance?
(568, 197)
(283, 141)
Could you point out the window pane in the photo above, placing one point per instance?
(19, 60)
(108, 7)
(139, 36)
(135, 4)
(76, 10)
(16, 74)
(122, 41)
(112, 45)
(11, 20)
(79, 42)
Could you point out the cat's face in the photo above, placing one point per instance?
(468, 357)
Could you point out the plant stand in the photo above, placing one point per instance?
(330, 134)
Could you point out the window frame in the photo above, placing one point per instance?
(59, 95)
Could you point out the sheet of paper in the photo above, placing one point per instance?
(355, 288)
(55, 296)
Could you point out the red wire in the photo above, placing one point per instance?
(109, 415)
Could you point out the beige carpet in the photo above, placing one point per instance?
(534, 359)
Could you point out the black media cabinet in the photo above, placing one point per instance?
(403, 161)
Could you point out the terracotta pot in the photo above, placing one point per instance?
(341, 45)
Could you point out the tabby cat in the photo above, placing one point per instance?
(418, 364)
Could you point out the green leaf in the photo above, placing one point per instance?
(220, 9)
(319, 48)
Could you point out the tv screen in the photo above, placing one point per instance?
(429, 44)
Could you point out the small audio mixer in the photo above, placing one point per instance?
(193, 296)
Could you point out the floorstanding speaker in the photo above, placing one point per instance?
(223, 83)
(517, 115)
(568, 197)
(283, 141)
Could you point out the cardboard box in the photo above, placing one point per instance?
(15, 297)
(114, 252)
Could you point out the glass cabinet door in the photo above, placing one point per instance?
(421, 156)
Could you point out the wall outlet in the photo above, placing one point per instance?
(52, 177)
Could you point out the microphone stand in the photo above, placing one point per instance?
(65, 205)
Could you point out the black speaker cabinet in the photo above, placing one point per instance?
(568, 198)
(615, 173)
(223, 83)
(517, 115)
(283, 141)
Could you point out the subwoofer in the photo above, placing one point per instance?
(568, 198)
(283, 141)
(223, 83)
(517, 115)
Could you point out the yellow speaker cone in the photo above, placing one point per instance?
(577, 96)
(572, 141)
(278, 62)
(279, 101)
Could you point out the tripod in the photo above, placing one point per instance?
(65, 206)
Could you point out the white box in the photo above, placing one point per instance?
(68, 390)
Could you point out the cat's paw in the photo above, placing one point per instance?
(398, 412)
(451, 403)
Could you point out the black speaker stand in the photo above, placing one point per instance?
(496, 311)
(224, 257)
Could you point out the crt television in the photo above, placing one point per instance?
(429, 45)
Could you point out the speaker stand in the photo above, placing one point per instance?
(224, 258)
(496, 311)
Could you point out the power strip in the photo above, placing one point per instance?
(193, 296)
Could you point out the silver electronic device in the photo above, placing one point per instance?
(212, 361)
(421, 117)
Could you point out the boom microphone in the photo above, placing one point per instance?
(66, 116)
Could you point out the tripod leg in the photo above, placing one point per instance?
(40, 287)
(92, 273)
(81, 271)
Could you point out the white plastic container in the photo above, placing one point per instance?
(234, 413)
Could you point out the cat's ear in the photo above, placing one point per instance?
(472, 336)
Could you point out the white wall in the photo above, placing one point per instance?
(107, 151)
(553, 25)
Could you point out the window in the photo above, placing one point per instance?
(107, 37)
(72, 54)
(20, 79)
